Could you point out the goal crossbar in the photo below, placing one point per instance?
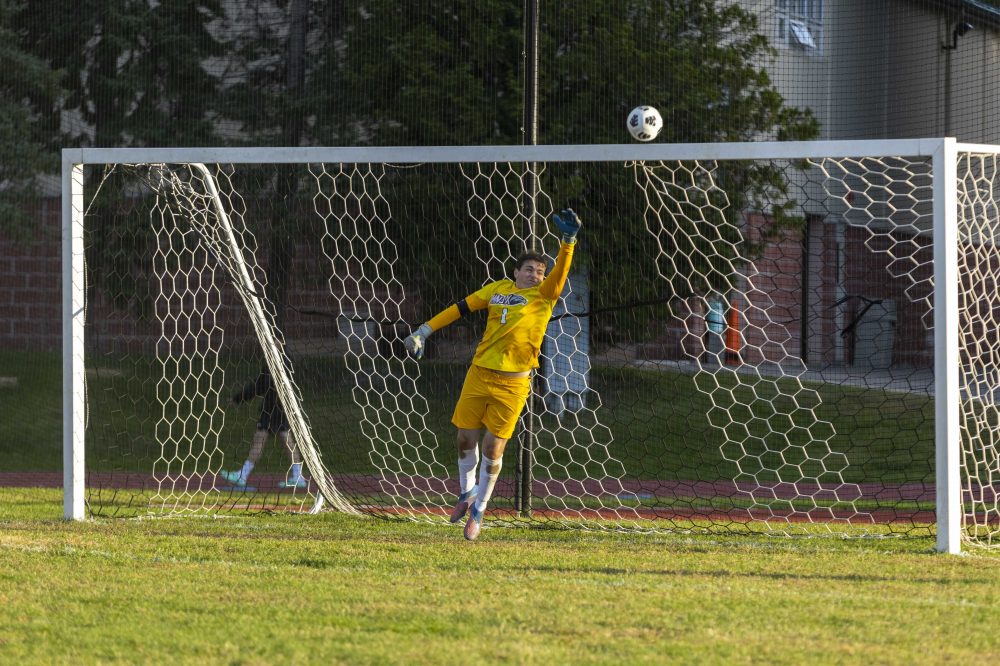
(762, 150)
(943, 153)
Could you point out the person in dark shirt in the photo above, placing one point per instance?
(272, 421)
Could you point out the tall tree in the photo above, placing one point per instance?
(437, 72)
(29, 130)
(267, 97)
(135, 69)
(702, 63)
(447, 72)
(136, 72)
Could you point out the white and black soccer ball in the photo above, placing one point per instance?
(644, 123)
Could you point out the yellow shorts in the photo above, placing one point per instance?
(492, 401)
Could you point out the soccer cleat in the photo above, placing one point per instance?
(299, 483)
(233, 478)
(474, 524)
(465, 500)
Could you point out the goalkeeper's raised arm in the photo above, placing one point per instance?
(568, 223)
(499, 380)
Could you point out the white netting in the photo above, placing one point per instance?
(721, 358)
(979, 370)
(890, 198)
(362, 263)
(786, 466)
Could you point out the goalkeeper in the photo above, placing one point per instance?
(499, 380)
(272, 421)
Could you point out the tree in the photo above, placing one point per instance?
(448, 72)
(383, 72)
(135, 69)
(29, 131)
(268, 65)
(437, 72)
(266, 94)
(701, 63)
(135, 72)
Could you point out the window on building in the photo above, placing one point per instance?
(799, 23)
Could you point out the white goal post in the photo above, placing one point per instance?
(773, 427)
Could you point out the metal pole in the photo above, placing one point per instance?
(947, 92)
(806, 304)
(73, 311)
(523, 470)
(947, 392)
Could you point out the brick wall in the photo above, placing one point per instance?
(30, 289)
(772, 313)
(31, 300)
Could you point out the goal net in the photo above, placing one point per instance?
(753, 338)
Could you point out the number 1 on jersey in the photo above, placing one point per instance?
(503, 316)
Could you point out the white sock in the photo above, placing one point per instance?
(296, 472)
(467, 462)
(245, 472)
(489, 470)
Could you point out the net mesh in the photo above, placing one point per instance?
(742, 345)
(979, 368)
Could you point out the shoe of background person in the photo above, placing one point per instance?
(474, 524)
(233, 478)
(300, 483)
(465, 500)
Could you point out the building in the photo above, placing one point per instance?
(858, 282)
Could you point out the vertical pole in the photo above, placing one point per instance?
(806, 304)
(73, 295)
(947, 91)
(947, 434)
(530, 75)
(523, 470)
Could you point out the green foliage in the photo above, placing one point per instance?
(135, 75)
(429, 73)
(134, 70)
(451, 73)
(446, 72)
(700, 63)
(268, 65)
(697, 61)
(382, 72)
(29, 131)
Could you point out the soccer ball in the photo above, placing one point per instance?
(644, 123)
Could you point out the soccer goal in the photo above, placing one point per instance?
(780, 338)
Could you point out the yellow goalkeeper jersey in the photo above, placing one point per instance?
(517, 318)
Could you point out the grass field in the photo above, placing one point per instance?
(655, 423)
(335, 589)
(650, 425)
(329, 589)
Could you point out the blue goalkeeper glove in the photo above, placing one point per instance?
(415, 342)
(569, 224)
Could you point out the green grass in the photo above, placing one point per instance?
(31, 427)
(650, 424)
(334, 589)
